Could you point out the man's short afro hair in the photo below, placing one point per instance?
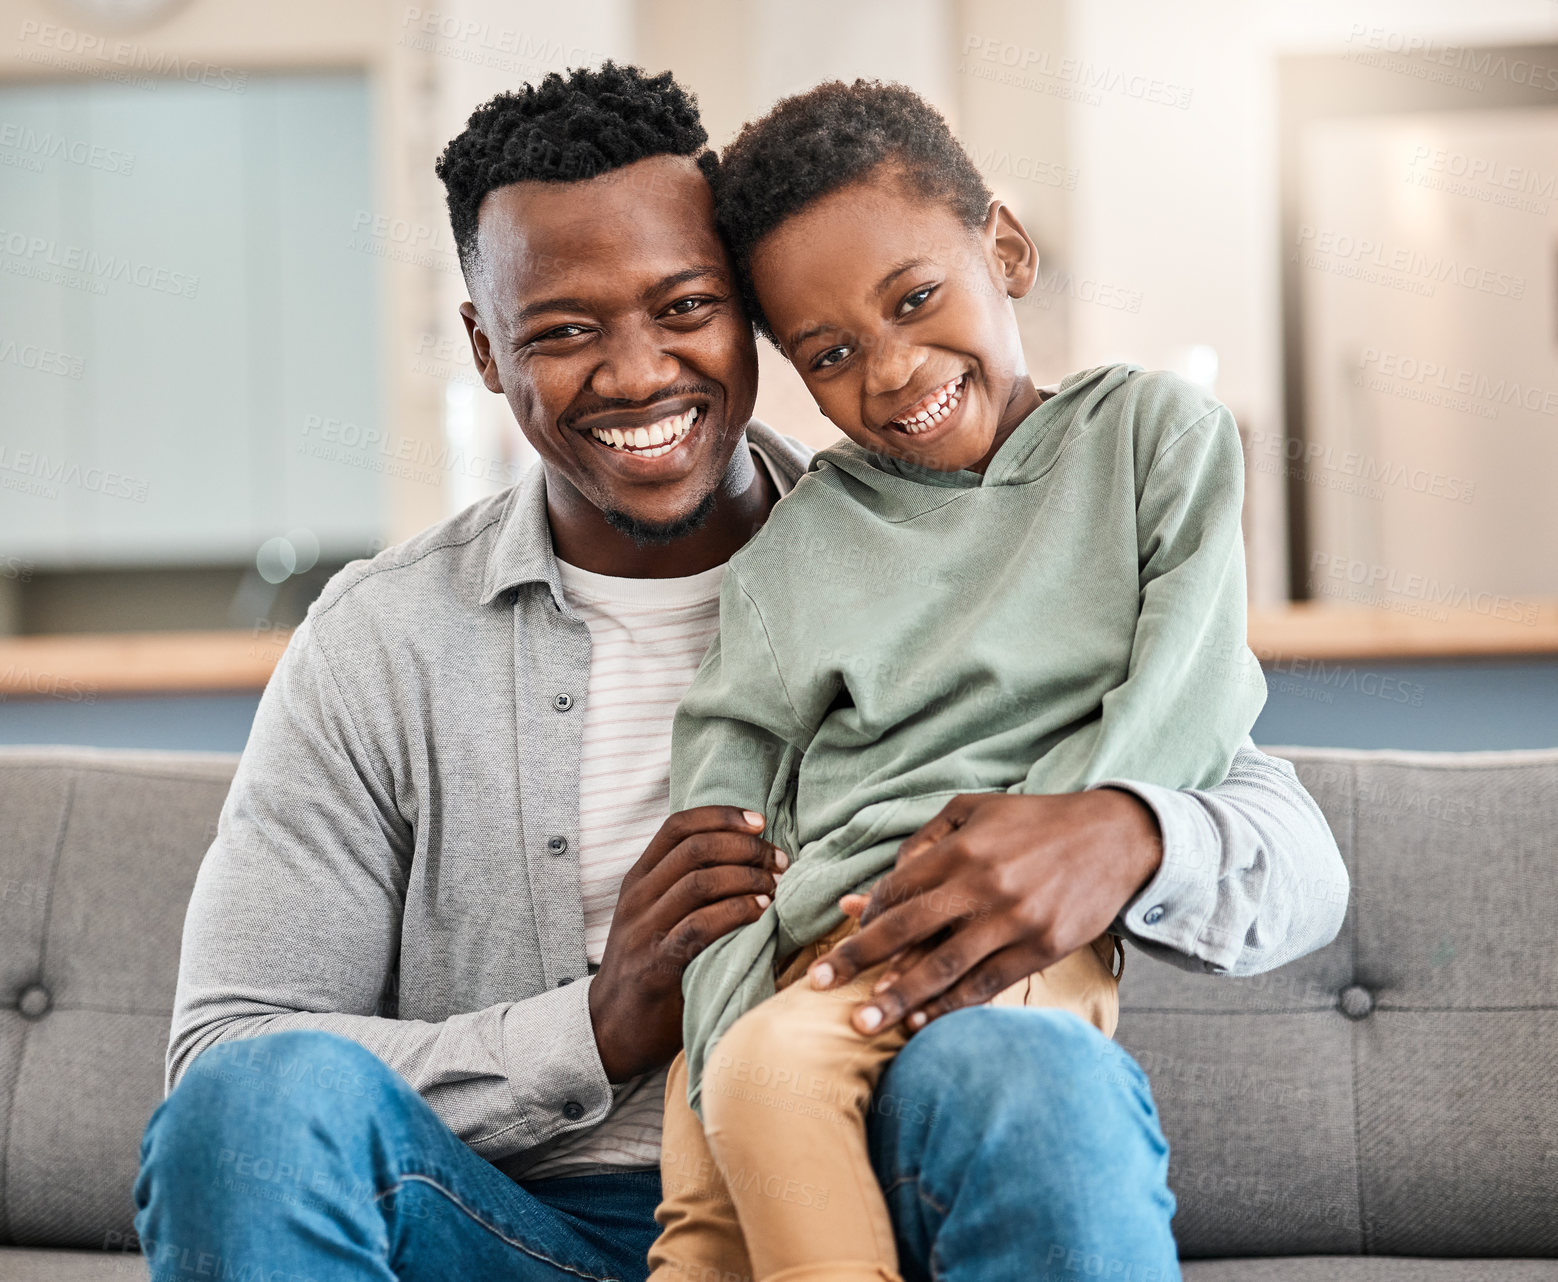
(816, 142)
(567, 129)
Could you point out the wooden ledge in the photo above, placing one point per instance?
(1322, 630)
(80, 667)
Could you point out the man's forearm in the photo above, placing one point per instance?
(1250, 877)
(297, 921)
(504, 1079)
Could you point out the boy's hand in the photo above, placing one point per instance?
(706, 872)
(995, 887)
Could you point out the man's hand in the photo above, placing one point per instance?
(706, 872)
(995, 887)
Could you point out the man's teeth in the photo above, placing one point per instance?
(935, 407)
(648, 442)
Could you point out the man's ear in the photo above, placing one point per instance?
(1012, 251)
(481, 348)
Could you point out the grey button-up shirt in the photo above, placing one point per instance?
(396, 861)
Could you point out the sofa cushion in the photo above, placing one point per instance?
(96, 867)
(1394, 1092)
(21, 1264)
(1365, 1268)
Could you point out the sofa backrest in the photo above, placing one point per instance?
(1396, 1092)
(1422, 1119)
(98, 852)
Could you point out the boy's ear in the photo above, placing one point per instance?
(1013, 252)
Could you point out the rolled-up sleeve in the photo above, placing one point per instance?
(1250, 879)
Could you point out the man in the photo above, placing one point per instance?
(431, 970)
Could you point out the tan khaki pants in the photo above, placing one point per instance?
(777, 1184)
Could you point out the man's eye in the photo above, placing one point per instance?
(682, 306)
(561, 331)
(916, 299)
(830, 357)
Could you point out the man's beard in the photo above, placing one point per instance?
(659, 533)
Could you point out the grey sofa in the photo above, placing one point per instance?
(1384, 1109)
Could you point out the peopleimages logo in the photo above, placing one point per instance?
(92, 54)
(1424, 55)
(32, 472)
(29, 252)
(1413, 265)
(1489, 170)
(33, 146)
(1463, 382)
(41, 360)
(343, 441)
(1088, 78)
(1380, 582)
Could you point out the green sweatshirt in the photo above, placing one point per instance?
(894, 636)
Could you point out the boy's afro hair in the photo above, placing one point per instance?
(816, 142)
(567, 129)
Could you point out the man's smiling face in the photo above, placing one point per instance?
(605, 311)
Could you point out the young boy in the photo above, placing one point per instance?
(984, 588)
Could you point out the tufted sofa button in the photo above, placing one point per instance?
(34, 1002)
(1356, 1001)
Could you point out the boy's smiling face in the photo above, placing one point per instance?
(898, 316)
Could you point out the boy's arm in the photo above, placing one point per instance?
(737, 736)
(295, 923)
(1251, 877)
(1193, 688)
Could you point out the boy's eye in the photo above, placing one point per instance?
(916, 299)
(830, 357)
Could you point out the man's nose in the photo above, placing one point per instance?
(635, 367)
(890, 367)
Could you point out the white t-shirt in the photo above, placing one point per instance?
(647, 638)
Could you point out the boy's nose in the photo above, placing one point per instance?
(891, 368)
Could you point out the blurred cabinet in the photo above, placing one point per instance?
(183, 292)
(1426, 243)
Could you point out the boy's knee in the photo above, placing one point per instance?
(746, 1053)
(767, 1059)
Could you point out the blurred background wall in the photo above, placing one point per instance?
(230, 357)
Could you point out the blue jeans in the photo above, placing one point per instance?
(1012, 1143)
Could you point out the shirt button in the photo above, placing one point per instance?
(1356, 1001)
(1153, 915)
(34, 1002)
(557, 845)
(573, 1110)
(563, 702)
(565, 981)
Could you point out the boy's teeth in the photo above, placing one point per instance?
(934, 408)
(648, 442)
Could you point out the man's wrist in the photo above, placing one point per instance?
(1172, 907)
(1140, 835)
(601, 1027)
